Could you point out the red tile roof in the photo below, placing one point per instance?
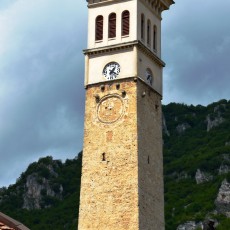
(7, 223)
(5, 227)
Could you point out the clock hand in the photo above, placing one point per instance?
(112, 71)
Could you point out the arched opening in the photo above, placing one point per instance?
(125, 23)
(149, 76)
(112, 25)
(155, 37)
(99, 28)
(142, 27)
(148, 32)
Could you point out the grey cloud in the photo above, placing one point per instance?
(196, 49)
(42, 91)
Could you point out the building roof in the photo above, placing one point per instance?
(5, 227)
(7, 223)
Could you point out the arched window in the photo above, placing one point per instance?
(149, 76)
(142, 26)
(148, 32)
(154, 37)
(112, 25)
(125, 23)
(99, 28)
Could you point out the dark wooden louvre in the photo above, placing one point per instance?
(125, 23)
(99, 28)
(112, 25)
(148, 32)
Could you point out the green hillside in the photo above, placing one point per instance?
(60, 212)
(192, 149)
(196, 162)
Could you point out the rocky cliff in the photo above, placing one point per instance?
(222, 201)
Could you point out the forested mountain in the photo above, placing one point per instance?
(196, 168)
(196, 164)
(46, 196)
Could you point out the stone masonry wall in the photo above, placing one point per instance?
(122, 174)
(150, 159)
(109, 190)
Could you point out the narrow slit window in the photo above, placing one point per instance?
(155, 38)
(148, 32)
(142, 26)
(99, 28)
(125, 23)
(112, 25)
(103, 157)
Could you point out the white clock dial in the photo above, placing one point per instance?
(149, 76)
(111, 70)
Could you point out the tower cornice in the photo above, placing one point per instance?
(123, 46)
(156, 6)
(98, 3)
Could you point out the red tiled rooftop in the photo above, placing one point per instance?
(7, 223)
(5, 227)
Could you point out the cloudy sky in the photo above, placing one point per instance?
(42, 69)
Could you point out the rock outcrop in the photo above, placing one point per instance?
(165, 130)
(35, 192)
(226, 157)
(208, 224)
(182, 128)
(222, 201)
(211, 123)
(39, 190)
(202, 177)
(190, 225)
(224, 169)
(180, 175)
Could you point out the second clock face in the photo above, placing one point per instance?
(110, 109)
(111, 70)
(149, 76)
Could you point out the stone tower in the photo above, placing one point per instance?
(122, 173)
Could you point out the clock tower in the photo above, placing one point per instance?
(122, 169)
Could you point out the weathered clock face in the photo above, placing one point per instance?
(111, 70)
(110, 109)
(149, 76)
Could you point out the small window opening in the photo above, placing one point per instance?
(148, 160)
(102, 88)
(112, 25)
(99, 28)
(125, 23)
(103, 157)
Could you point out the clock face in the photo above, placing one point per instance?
(111, 70)
(110, 109)
(149, 76)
